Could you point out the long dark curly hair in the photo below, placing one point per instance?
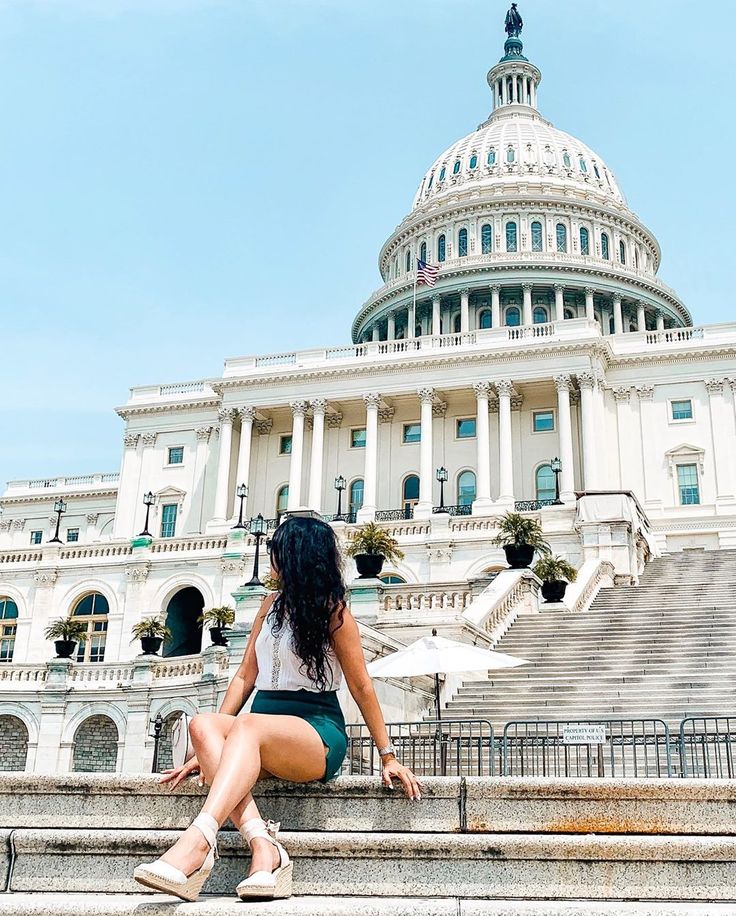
(306, 556)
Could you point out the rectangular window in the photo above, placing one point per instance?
(36, 537)
(466, 428)
(412, 432)
(7, 642)
(176, 454)
(72, 535)
(544, 421)
(687, 481)
(357, 438)
(682, 410)
(168, 520)
(285, 445)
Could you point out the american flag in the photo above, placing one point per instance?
(427, 273)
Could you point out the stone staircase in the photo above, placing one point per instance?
(471, 846)
(664, 649)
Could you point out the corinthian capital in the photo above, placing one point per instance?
(715, 385)
(319, 406)
(372, 400)
(621, 393)
(482, 389)
(130, 440)
(299, 408)
(505, 387)
(203, 433)
(563, 382)
(247, 414)
(226, 414)
(426, 395)
(586, 380)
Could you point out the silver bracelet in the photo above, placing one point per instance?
(389, 749)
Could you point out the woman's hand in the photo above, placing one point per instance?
(392, 769)
(174, 777)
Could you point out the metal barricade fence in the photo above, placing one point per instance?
(433, 747)
(708, 747)
(638, 748)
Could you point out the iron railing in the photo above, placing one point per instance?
(453, 510)
(450, 747)
(707, 746)
(532, 505)
(347, 517)
(395, 515)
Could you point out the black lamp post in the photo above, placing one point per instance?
(158, 724)
(556, 466)
(258, 529)
(60, 509)
(148, 500)
(442, 476)
(241, 493)
(339, 486)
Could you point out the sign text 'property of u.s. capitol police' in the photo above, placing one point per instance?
(584, 734)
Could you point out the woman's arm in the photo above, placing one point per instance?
(349, 651)
(242, 684)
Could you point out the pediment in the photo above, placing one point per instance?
(685, 453)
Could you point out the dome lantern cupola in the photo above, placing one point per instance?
(514, 80)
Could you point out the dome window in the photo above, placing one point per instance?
(408, 260)
(474, 161)
(456, 167)
(583, 166)
(510, 155)
(443, 172)
(584, 241)
(423, 252)
(597, 173)
(484, 319)
(486, 238)
(513, 317)
(540, 315)
(511, 237)
(537, 238)
(562, 238)
(431, 180)
(622, 252)
(491, 156)
(605, 247)
(567, 162)
(441, 248)
(462, 243)
(636, 259)
(549, 156)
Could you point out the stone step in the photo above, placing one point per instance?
(476, 865)
(593, 688)
(552, 681)
(154, 905)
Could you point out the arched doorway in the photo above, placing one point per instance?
(165, 751)
(13, 744)
(181, 618)
(96, 746)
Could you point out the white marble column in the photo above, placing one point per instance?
(376, 333)
(504, 389)
(527, 317)
(247, 416)
(589, 303)
(660, 320)
(627, 477)
(587, 382)
(298, 412)
(391, 333)
(319, 408)
(436, 316)
(129, 475)
(411, 320)
(464, 311)
(641, 317)
(482, 503)
(559, 302)
(195, 521)
(370, 473)
(226, 415)
(563, 384)
(423, 508)
(722, 429)
(651, 451)
(496, 306)
(618, 316)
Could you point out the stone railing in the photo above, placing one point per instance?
(100, 673)
(23, 675)
(644, 341)
(454, 596)
(96, 551)
(61, 483)
(592, 576)
(20, 556)
(512, 592)
(184, 545)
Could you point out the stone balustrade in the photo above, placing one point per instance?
(446, 597)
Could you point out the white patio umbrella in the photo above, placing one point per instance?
(436, 655)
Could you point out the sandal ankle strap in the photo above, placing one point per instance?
(257, 827)
(208, 827)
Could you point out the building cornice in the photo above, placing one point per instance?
(53, 496)
(138, 410)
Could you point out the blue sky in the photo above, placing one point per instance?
(186, 180)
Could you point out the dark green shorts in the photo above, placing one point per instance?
(321, 710)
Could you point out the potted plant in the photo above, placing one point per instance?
(66, 633)
(555, 573)
(370, 546)
(151, 631)
(218, 619)
(520, 536)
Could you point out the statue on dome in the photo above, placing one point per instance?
(514, 22)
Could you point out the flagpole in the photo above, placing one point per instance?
(414, 304)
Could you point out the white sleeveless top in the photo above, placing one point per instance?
(278, 663)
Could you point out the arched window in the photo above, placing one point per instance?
(441, 248)
(597, 173)
(486, 238)
(545, 483)
(569, 314)
(510, 155)
(8, 619)
(484, 319)
(392, 579)
(567, 162)
(356, 496)
(466, 488)
(562, 237)
(605, 247)
(431, 181)
(491, 156)
(584, 241)
(511, 237)
(94, 608)
(408, 260)
(537, 239)
(540, 315)
(474, 161)
(410, 492)
(636, 258)
(622, 252)
(462, 243)
(423, 252)
(583, 166)
(456, 167)
(513, 317)
(282, 501)
(443, 172)
(95, 746)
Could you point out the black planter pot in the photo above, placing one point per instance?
(65, 647)
(554, 591)
(369, 565)
(519, 557)
(217, 635)
(151, 644)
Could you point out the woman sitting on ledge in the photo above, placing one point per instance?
(303, 639)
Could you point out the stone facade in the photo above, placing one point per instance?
(96, 746)
(13, 744)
